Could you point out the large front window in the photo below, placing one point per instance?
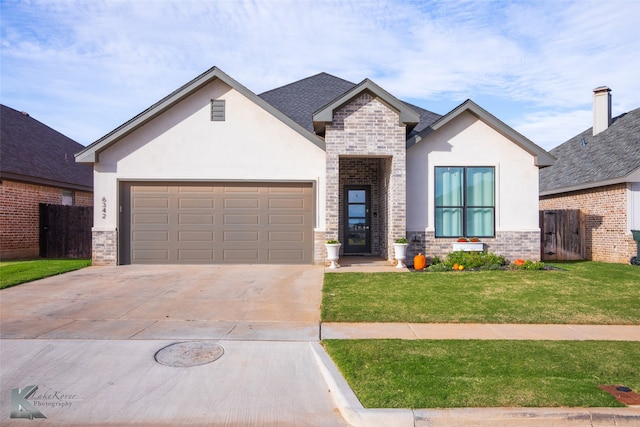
(465, 201)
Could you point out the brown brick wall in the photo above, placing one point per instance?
(607, 238)
(20, 216)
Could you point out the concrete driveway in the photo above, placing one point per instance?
(88, 338)
(168, 302)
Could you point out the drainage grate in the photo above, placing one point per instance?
(190, 353)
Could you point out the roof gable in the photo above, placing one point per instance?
(325, 114)
(587, 161)
(91, 153)
(542, 157)
(33, 152)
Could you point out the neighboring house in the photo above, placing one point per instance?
(36, 166)
(598, 173)
(214, 173)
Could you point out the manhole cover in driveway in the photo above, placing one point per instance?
(190, 353)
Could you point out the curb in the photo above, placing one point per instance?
(350, 407)
(358, 416)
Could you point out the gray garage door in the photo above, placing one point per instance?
(192, 223)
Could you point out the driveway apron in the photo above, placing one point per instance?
(88, 338)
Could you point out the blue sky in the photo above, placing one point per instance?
(85, 67)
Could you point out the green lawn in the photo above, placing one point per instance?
(582, 293)
(16, 272)
(473, 373)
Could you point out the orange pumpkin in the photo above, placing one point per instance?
(419, 262)
(519, 262)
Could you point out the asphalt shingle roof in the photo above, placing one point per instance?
(612, 154)
(299, 100)
(33, 151)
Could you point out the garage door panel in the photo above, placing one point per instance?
(195, 254)
(221, 223)
(151, 236)
(148, 218)
(154, 255)
(286, 236)
(286, 254)
(279, 219)
(236, 219)
(194, 203)
(196, 236)
(280, 203)
(241, 236)
(199, 219)
(241, 255)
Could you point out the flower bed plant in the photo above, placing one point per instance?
(469, 260)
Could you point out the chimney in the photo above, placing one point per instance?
(601, 109)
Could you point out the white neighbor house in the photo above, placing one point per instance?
(214, 173)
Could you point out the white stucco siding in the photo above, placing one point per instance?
(468, 141)
(184, 144)
(633, 208)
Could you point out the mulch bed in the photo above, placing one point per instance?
(629, 398)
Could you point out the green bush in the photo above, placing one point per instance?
(476, 259)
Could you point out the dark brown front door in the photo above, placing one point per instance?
(357, 219)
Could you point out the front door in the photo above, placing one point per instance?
(356, 219)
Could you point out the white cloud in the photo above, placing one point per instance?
(86, 67)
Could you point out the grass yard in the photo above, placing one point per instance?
(16, 272)
(583, 292)
(472, 373)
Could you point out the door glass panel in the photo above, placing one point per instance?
(357, 222)
(357, 210)
(357, 196)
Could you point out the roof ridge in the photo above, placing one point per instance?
(322, 73)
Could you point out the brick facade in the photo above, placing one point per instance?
(105, 247)
(20, 216)
(510, 244)
(366, 133)
(607, 237)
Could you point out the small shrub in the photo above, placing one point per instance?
(401, 240)
(480, 260)
(435, 268)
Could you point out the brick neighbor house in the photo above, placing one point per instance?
(37, 165)
(214, 173)
(598, 173)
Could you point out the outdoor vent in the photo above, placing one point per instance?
(217, 110)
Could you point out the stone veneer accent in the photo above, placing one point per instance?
(607, 238)
(20, 215)
(366, 128)
(510, 244)
(105, 247)
(319, 251)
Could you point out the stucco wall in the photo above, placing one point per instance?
(20, 216)
(468, 141)
(184, 144)
(607, 222)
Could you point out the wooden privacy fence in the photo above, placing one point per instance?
(65, 231)
(563, 235)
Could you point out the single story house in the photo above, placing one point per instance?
(37, 165)
(598, 173)
(214, 173)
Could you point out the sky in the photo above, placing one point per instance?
(85, 67)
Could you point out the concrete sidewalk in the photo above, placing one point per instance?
(421, 331)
